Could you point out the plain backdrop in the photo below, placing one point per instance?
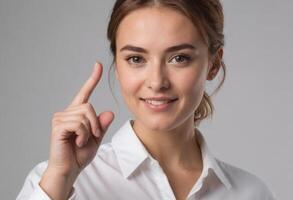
(47, 51)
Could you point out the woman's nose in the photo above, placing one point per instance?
(157, 79)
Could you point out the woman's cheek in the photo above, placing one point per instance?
(192, 85)
(130, 83)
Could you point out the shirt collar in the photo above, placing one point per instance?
(131, 153)
(210, 162)
(129, 149)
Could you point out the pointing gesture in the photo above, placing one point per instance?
(88, 87)
(76, 136)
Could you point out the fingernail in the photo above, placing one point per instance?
(80, 144)
(97, 64)
(98, 133)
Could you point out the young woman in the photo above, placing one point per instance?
(164, 52)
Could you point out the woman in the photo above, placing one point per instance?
(164, 52)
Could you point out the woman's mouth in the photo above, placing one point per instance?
(159, 105)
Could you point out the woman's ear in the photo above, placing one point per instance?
(216, 65)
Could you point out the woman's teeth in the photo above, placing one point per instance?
(157, 103)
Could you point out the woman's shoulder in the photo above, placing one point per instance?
(244, 180)
(239, 175)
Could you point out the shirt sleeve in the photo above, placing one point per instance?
(271, 195)
(31, 189)
(267, 193)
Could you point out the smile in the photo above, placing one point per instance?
(159, 105)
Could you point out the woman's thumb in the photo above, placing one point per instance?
(105, 119)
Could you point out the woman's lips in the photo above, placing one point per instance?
(162, 107)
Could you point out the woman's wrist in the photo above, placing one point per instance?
(57, 185)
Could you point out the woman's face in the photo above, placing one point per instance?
(147, 66)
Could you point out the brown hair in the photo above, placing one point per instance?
(207, 15)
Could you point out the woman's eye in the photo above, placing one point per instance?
(182, 58)
(139, 60)
(134, 59)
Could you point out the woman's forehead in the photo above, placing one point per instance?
(156, 25)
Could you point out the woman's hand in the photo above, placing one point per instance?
(76, 135)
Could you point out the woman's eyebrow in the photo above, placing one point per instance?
(168, 50)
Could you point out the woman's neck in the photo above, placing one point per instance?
(177, 148)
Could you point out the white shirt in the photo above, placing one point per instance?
(124, 170)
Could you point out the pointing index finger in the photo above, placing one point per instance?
(86, 90)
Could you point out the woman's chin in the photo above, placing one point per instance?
(158, 124)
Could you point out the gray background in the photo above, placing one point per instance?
(47, 51)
